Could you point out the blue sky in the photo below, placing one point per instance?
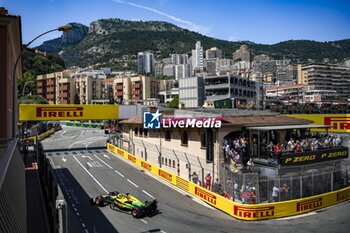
(260, 21)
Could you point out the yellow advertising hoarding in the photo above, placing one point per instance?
(340, 123)
(237, 210)
(53, 112)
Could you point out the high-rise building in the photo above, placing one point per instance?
(326, 77)
(182, 71)
(177, 59)
(213, 53)
(197, 57)
(146, 63)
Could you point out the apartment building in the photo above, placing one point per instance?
(88, 86)
(229, 86)
(326, 77)
(66, 91)
(213, 53)
(135, 89)
(242, 54)
(48, 86)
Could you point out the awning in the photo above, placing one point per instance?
(277, 127)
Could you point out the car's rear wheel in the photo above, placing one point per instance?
(136, 212)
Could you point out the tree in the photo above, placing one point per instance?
(174, 103)
(32, 99)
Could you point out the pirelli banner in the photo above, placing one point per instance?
(236, 210)
(50, 112)
(314, 156)
(339, 123)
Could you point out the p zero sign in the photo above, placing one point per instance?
(49, 112)
(314, 156)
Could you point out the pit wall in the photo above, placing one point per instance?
(236, 210)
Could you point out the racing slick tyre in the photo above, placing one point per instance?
(136, 212)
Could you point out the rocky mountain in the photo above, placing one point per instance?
(115, 42)
(78, 33)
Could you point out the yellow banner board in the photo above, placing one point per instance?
(53, 112)
(340, 123)
(237, 210)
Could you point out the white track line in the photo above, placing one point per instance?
(90, 175)
(148, 194)
(132, 183)
(119, 173)
(296, 216)
(103, 162)
(144, 221)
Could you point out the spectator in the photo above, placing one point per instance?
(195, 178)
(275, 192)
(235, 190)
(297, 148)
(252, 195)
(250, 164)
(284, 192)
(208, 181)
(216, 186)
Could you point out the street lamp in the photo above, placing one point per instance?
(64, 28)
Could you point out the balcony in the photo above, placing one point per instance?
(50, 89)
(64, 95)
(64, 88)
(50, 82)
(39, 91)
(119, 87)
(136, 85)
(50, 96)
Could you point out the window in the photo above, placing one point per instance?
(136, 131)
(173, 163)
(141, 132)
(203, 141)
(145, 132)
(166, 161)
(184, 138)
(167, 135)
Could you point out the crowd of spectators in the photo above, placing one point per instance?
(300, 145)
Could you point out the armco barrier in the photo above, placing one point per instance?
(241, 211)
(41, 136)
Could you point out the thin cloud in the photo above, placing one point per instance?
(188, 24)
